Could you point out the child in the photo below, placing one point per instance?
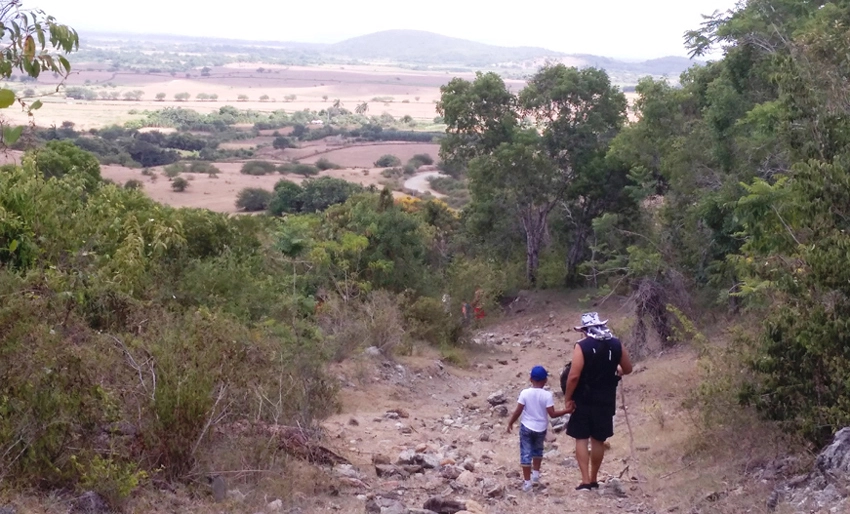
(534, 404)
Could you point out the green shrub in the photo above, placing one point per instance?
(203, 167)
(179, 184)
(286, 198)
(324, 164)
(282, 142)
(421, 159)
(428, 320)
(172, 170)
(258, 168)
(352, 325)
(252, 199)
(387, 161)
(133, 184)
(392, 172)
(298, 168)
(306, 170)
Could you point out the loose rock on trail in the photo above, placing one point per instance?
(425, 437)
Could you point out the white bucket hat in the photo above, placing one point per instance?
(591, 319)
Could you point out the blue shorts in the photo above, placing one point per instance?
(530, 445)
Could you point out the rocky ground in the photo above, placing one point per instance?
(441, 433)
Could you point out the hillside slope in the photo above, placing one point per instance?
(428, 47)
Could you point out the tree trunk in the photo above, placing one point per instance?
(532, 258)
(574, 255)
(534, 223)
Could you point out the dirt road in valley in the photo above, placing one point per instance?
(420, 182)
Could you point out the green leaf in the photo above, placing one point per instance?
(13, 245)
(12, 134)
(7, 98)
(65, 64)
(36, 105)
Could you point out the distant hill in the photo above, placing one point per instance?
(416, 46)
(428, 48)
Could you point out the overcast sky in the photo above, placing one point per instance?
(635, 29)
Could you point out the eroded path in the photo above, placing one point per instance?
(416, 428)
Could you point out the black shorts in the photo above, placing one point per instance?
(591, 421)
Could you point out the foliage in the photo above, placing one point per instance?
(281, 142)
(120, 312)
(179, 184)
(258, 168)
(59, 158)
(252, 199)
(527, 153)
(325, 164)
(387, 161)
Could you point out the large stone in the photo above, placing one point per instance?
(450, 472)
(825, 487)
(497, 398)
(467, 479)
(89, 503)
(442, 505)
(406, 457)
(429, 460)
(380, 459)
(613, 487)
(473, 507)
(388, 470)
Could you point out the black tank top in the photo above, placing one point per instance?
(598, 381)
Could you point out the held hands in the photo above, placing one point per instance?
(570, 406)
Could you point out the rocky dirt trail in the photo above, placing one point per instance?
(419, 431)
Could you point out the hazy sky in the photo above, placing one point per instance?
(614, 28)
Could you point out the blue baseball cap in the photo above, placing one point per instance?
(539, 373)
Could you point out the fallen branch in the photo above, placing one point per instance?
(667, 475)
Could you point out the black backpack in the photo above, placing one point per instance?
(564, 375)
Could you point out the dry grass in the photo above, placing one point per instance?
(352, 85)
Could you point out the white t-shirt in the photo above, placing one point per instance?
(535, 401)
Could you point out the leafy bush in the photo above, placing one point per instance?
(298, 169)
(133, 184)
(59, 158)
(321, 193)
(203, 167)
(179, 184)
(258, 168)
(428, 320)
(348, 326)
(282, 142)
(172, 170)
(253, 199)
(286, 198)
(423, 159)
(387, 161)
(325, 164)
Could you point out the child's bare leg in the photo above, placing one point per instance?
(535, 463)
(526, 472)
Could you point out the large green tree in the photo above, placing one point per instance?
(525, 151)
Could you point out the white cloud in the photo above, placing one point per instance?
(616, 28)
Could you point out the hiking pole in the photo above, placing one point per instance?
(632, 458)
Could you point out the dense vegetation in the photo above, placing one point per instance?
(132, 325)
